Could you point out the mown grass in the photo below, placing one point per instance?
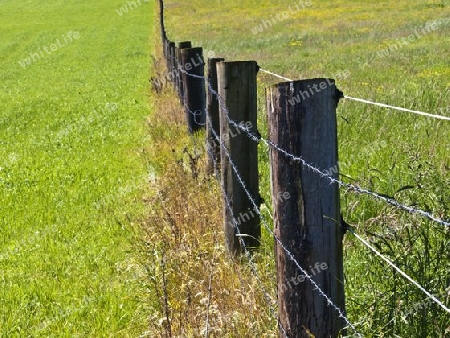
(397, 154)
(72, 170)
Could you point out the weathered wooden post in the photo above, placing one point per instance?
(164, 42)
(171, 57)
(194, 87)
(238, 90)
(173, 68)
(212, 118)
(166, 51)
(161, 20)
(302, 121)
(175, 76)
(181, 45)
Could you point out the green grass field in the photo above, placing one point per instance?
(72, 170)
(109, 225)
(405, 156)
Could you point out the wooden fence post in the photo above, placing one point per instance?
(171, 57)
(181, 45)
(302, 121)
(212, 118)
(164, 43)
(161, 20)
(173, 63)
(237, 87)
(166, 51)
(194, 88)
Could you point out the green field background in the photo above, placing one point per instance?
(71, 167)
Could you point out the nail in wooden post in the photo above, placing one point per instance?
(237, 87)
(302, 121)
(212, 118)
(194, 88)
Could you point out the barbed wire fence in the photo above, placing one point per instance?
(199, 117)
(332, 180)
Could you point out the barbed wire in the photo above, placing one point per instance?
(358, 189)
(332, 180)
(340, 183)
(384, 105)
(288, 253)
(349, 186)
(253, 266)
(247, 253)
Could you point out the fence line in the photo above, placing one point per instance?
(290, 255)
(332, 180)
(256, 137)
(295, 158)
(384, 105)
(343, 184)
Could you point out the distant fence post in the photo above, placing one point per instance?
(164, 47)
(194, 88)
(171, 57)
(173, 63)
(161, 20)
(237, 88)
(179, 76)
(166, 51)
(302, 121)
(212, 118)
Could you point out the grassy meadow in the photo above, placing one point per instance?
(73, 170)
(405, 156)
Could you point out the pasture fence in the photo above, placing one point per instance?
(302, 144)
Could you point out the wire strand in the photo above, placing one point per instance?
(252, 265)
(400, 271)
(274, 74)
(384, 105)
